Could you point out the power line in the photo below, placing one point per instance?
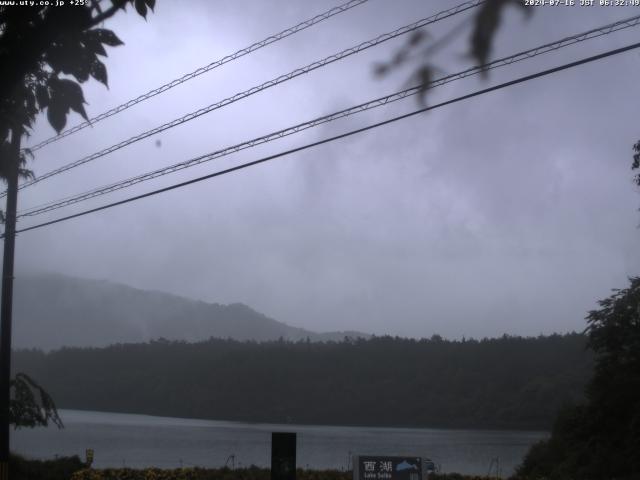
(207, 68)
(338, 137)
(527, 54)
(271, 83)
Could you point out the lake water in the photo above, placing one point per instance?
(141, 441)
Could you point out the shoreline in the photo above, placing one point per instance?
(207, 422)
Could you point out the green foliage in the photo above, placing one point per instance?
(252, 473)
(59, 469)
(22, 171)
(557, 458)
(40, 48)
(508, 382)
(601, 438)
(39, 44)
(30, 404)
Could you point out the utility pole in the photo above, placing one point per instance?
(12, 164)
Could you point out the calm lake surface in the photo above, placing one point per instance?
(141, 441)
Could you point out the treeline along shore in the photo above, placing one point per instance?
(502, 383)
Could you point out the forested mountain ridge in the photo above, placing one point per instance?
(509, 382)
(52, 311)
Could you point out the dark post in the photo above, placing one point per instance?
(12, 165)
(283, 456)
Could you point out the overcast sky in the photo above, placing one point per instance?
(509, 213)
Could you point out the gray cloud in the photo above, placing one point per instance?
(512, 212)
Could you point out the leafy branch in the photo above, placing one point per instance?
(31, 405)
(418, 49)
(40, 48)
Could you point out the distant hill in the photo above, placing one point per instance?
(51, 311)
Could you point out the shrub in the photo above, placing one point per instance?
(61, 468)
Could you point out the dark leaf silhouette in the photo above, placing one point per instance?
(141, 7)
(57, 57)
(57, 115)
(424, 77)
(73, 59)
(380, 69)
(69, 94)
(30, 104)
(26, 174)
(70, 19)
(62, 41)
(400, 57)
(23, 173)
(416, 37)
(107, 37)
(42, 96)
(486, 24)
(93, 43)
(31, 405)
(80, 70)
(99, 72)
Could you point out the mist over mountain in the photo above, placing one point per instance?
(51, 311)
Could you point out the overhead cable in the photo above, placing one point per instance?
(519, 80)
(207, 68)
(271, 83)
(419, 89)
